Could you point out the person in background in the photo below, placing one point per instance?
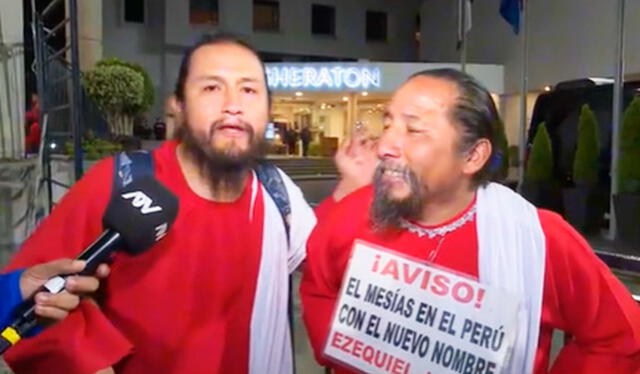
(172, 118)
(32, 129)
(305, 136)
(159, 129)
(292, 138)
(33, 114)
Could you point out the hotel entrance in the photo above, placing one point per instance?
(317, 105)
(326, 118)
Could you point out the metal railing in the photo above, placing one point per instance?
(63, 101)
(58, 81)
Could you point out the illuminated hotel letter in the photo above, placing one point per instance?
(337, 76)
(310, 78)
(324, 78)
(278, 77)
(296, 78)
(352, 78)
(370, 77)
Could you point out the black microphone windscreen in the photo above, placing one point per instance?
(142, 212)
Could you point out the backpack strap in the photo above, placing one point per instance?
(271, 179)
(129, 166)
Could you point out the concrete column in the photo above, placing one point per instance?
(11, 80)
(352, 114)
(90, 32)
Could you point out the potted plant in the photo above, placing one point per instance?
(538, 179)
(627, 200)
(118, 90)
(584, 203)
(149, 91)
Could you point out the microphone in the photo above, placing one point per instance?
(137, 217)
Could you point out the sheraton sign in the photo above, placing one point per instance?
(323, 77)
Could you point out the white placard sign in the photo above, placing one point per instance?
(400, 316)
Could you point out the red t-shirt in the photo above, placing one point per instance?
(32, 140)
(184, 306)
(32, 115)
(581, 296)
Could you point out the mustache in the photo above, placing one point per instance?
(221, 124)
(385, 166)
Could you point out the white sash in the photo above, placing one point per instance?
(511, 256)
(270, 342)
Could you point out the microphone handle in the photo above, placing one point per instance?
(100, 251)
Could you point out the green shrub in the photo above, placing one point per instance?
(149, 91)
(118, 91)
(94, 148)
(540, 163)
(585, 163)
(629, 161)
(115, 88)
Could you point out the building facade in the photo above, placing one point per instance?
(357, 52)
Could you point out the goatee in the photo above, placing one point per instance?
(387, 213)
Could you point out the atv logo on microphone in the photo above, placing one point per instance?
(161, 231)
(142, 202)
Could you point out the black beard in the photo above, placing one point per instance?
(387, 213)
(225, 169)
